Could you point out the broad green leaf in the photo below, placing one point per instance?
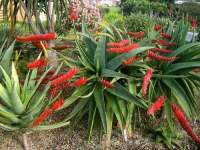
(178, 66)
(111, 73)
(120, 91)
(100, 102)
(117, 61)
(50, 127)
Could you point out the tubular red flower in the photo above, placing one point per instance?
(39, 45)
(62, 47)
(79, 82)
(56, 105)
(47, 112)
(146, 80)
(161, 50)
(157, 27)
(118, 44)
(65, 77)
(37, 63)
(124, 42)
(156, 106)
(193, 22)
(124, 49)
(165, 43)
(184, 122)
(73, 15)
(55, 89)
(167, 36)
(36, 37)
(106, 84)
(160, 58)
(130, 60)
(136, 35)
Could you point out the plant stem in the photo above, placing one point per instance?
(25, 141)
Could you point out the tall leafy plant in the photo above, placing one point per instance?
(108, 94)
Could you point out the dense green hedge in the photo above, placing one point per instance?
(145, 6)
(139, 22)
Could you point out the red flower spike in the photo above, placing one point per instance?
(157, 27)
(124, 42)
(167, 36)
(130, 61)
(124, 49)
(146, 81)
(156, 106)
(118, 44)
(160, 58)
(79, 82)
(73, 15)
(184, 122)
(113, 44)
(36, 37)
(56, 105)
(65, 77)
(37, 63)
(165, 43)
(106, 84)
(161, 50)
(47, 112)
(136, 35)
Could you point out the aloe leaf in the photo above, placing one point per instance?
(120, 91)
(117, 61)
(100, 102)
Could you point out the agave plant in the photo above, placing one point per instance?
(108, 94)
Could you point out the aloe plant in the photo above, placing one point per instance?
(102, 104)
(6, 56)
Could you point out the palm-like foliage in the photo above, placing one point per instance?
(33, 9)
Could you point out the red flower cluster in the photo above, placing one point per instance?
(118, 44)
(160, 58)
(130, 61)
(136, 35)
(62, 47)
(161, 50)
(193, 22)
(146, 81)
(73, 15)
(124, 49)
(184, 123)
(106, 84)
(165, 43)
(36, 37)
(167, 36)
(55, 106)
(156, 106)
(157, 27)
(39, 45)
(79, 82)
(48, 111)
(37, 63)
(65, 77)
(55, 89)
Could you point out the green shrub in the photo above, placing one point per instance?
(139, 22)
(145, 6)
(114, 17)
